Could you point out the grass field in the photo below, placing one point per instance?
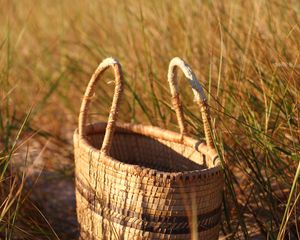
(245, 53)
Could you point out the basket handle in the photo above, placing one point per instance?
(89, 92)
(199, 98)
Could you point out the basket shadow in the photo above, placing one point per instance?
(54, 195)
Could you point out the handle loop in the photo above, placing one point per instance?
(89, 92)
(199, 98)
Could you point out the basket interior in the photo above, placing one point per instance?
(152, 153)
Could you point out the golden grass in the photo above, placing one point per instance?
(244, 52)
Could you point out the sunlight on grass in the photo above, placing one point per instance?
(245, 53)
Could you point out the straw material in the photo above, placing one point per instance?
(146, 182)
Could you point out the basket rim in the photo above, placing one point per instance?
(154, 133)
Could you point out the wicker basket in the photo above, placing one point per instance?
(146, 182)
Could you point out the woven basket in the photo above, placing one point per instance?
(146, 182)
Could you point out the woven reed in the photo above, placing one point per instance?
(146, 182)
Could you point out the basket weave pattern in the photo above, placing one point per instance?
(146, 182)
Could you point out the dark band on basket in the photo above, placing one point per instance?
(144, 222)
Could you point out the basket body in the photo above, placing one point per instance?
(154, 185)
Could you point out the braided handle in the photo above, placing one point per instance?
(200, 98)
(90, 90)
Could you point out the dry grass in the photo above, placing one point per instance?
(244, 52)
